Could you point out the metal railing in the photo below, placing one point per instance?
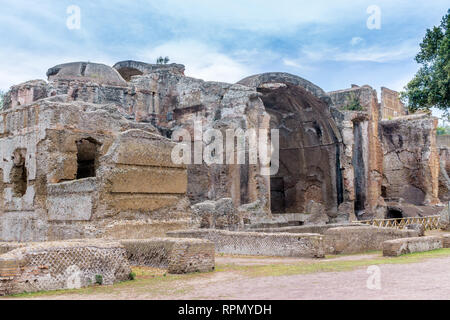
(429, 223)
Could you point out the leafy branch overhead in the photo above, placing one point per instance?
(430, 87)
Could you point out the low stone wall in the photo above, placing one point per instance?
(143, 229)
(361, 239)
(6, 247)
(305, 229)
(62, 265)
(397, 247)
(177, 255)
(446, 241)
(264, 244)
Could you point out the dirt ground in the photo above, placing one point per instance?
(261, 278)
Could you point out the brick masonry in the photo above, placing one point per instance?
(361, 239)
(62, 265)
(177, 255)
(261, 244)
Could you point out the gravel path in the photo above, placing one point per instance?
(425, 280)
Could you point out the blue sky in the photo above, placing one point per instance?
(326, 42)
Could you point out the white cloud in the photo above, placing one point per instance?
(201, 61)
(356, 40)
(295, 63)
(279, 16)
(374, 53)
(17, 66)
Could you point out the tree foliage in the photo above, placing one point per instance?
(443, 131)
(353, 104)
(430, 87)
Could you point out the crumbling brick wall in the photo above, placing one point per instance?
(255, 243)
(361, 239)
(176, 255)
(62, 265)
(362, 159)
(411, 159)
(391, 106)
(48, 196)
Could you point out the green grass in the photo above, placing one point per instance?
(159, 283)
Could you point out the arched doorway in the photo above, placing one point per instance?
(309, 150)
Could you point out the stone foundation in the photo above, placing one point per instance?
(395, 248)
(446, 241)
(62, 265)
(176, 255)
(304, 229)
(361, 239)
(259, 244)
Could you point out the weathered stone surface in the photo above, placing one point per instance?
(285, 78)
(391, 105)
(397, 247)
(361, 160)
(25, 93)
(62, 265)
(446, 241)
(444, 169)
(305, 228)
(176, 255)
(361, 239)
(86, 71)
(144, 229)
(10, 246)
(130, 68)
(89, 153)
(253, 243)
(220, 214)
(411, 161)
(444, 219)
(417, 227)
(66, 173)
(317, 213)
(309, 144)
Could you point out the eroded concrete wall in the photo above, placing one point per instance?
(362, 158)
(45, 198)
(411, 160)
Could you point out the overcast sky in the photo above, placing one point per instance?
(326, 42)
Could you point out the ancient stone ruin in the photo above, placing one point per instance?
(87, 154)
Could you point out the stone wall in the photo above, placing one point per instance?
(446, 241)
(253, 243)
(361, 239)
(397, 247)
(25, 93)
(391, 106)
(305, 229)
(176, 255)
(70, 169)
(357, 115)
(443, 140)
(411, 160)
(62, 265)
